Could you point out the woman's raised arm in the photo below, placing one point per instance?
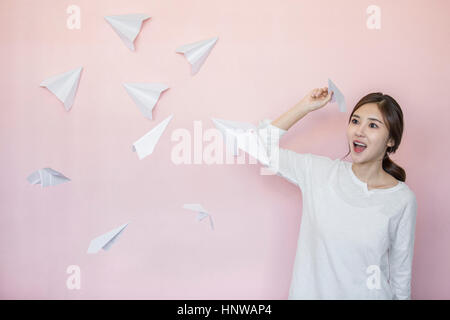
(315, 99)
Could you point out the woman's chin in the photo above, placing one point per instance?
(357, 158)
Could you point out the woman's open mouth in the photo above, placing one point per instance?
(359, 147)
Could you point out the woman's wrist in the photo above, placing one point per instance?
(301, 109)
(292, 116)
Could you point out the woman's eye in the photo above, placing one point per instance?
(374, 125)
(354, 120)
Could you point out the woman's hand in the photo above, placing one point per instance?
(316, 99)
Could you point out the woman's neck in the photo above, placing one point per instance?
(372, 173)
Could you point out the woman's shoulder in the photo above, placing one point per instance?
(323, 162)
(407, 195)
(323, 167)
(411, 196)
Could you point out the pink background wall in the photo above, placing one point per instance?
(269, 54)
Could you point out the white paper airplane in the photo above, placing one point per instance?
(145, 145)
(47, 177)
(127, 26)
(64, 86)
(202, 214)
(145, 95)
(197, 52)
(229, 129)
(105, 240)
(337, 96)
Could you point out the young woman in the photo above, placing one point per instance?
(357, 231)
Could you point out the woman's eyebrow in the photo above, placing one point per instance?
(375, 119)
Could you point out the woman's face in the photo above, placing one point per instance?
(367, 126)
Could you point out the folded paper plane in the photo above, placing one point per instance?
(230, 129)
(337, 96)
(127, 26)
(47, 177)
(64, 86)
(145, 95)
(106, 240)
(145, 145)
(197, 52)
(202, 214)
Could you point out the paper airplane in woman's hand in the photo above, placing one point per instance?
(145, 145)
(197, 52)
(202, 214)
(145, 95)
(127, 26)
(47, 177)
(105, 240)
(229, 129)
(64, 86)
(337, 96)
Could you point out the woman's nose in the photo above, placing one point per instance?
(360, 131)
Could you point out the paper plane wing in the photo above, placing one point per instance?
(47, 177)
(64, 86)
(105, 240)
(145, 95)
(201, 216)
(145, 145)
(211, 222)
(337, 96)
(197, 52)
(127, 26)
(201, 212)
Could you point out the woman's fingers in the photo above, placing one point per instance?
(319, 92)
(317, 98)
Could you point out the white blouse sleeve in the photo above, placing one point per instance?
(288, 164)
(401, 252)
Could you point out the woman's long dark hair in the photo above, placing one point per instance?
(393, 117)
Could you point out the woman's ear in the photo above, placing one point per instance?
(391, 142)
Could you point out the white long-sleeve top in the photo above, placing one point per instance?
(354, 243)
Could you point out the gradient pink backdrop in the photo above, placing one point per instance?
(269, 54)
